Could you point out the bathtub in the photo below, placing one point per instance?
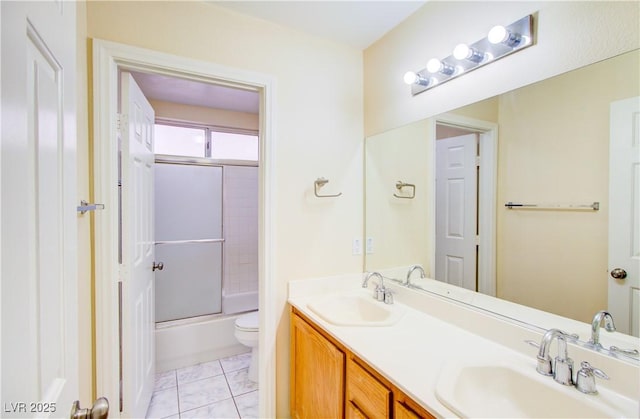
(181, 343)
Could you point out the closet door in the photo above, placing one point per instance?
(188, 227)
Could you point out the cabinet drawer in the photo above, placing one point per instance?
(367, 393)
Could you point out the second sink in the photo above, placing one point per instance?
(504, 390)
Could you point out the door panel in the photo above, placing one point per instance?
(456, 210)
(136, 274)
(624, 214)
(39, 224)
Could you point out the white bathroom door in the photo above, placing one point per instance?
(39, 219)
(137, 235)
(624, 215)
(456, 210)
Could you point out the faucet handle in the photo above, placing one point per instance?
(388, 296)
(586, 378)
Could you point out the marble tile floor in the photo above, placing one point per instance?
(215, 389)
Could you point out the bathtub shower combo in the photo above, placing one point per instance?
(206, 228)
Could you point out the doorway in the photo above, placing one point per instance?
(109, 60)
(483, 274)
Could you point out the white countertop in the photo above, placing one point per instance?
(412, 352)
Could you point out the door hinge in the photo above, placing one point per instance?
(478, 161)
(121, 122)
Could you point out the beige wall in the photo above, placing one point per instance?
(318, 127)
(569, 35)
(397, 226)
(554, 148)
(202, 115)
(85, 274)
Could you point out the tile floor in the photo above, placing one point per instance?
(216, 389)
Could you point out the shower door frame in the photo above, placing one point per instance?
(109, 58)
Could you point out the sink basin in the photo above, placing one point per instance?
(356, 310)
(508, 391)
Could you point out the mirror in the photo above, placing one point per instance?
(545, 144)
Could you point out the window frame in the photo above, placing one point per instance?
(208, 130)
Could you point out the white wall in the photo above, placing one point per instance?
(570, 34)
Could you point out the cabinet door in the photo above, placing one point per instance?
(404, 408)
(368, 394)
(353, 412)
(317, 374)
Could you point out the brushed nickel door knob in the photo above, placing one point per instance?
(618, 273)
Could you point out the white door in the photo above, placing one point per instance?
(624, 215)
(136, 271)
(456, 210)
(39, 218)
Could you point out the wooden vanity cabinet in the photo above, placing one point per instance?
(365, 392)
(317, 373)
(328, 381)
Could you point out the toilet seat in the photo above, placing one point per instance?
(248, 322)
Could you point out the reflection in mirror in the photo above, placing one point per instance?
(552, 144)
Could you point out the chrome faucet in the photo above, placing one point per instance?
(597, 322)
(562, 371)
(381, 293)
(407, 282)
(365, 282)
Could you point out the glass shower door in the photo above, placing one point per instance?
(188, 229)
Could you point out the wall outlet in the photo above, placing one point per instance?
(369, 245)
(356, 247)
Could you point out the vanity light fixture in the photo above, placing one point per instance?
(500, 42)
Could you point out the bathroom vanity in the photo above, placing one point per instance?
(329, 380)
(424, 356)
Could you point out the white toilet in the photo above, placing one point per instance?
(247, 334)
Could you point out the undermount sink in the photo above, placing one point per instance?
(495, 390)
(356, 310)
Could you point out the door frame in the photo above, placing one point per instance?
(487, 194)
(108, 59)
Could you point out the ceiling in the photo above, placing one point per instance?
(354, 23)
(194, 93)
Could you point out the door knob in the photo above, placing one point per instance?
(99, 410)
(157, 266)
(618, 273)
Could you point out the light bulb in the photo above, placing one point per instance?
(498, 34)
(461, 51)
(410, 77)
(464, 52)
(434, 65)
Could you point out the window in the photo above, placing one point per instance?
(205, 142)
(229, 146)
(179, 141)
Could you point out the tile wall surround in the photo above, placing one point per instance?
(215, 389)
(240, 220)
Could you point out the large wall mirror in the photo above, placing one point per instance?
(435, 181)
